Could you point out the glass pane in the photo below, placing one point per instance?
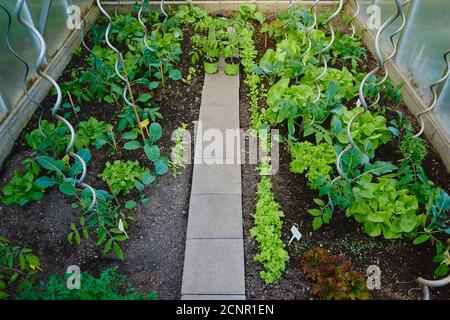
(56, 31)
(443, 106)
(83, 4)
(387, 10)
(35, 7)
(12, 71)
(426, 39)
(3, 109)
(363, 14)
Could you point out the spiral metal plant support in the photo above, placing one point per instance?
(433, 89)
(352, 26)
(161, 6)
(82, 38)
(380, 65)
(379, 57)
(427, 284)
(119, 59)
(325, 49)
(27, 69)
(308, 30)
(57, 105)
(394, 43)
(144, 27)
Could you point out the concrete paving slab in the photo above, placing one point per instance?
(219, 117)
(214, 266)
(216, 178)
(215, 216)
(219, 144)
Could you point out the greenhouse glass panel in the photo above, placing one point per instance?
(35, 10)
(3, 109)
(443, 106)
(12, 71)
(56, 30)
(387, 10)
(363, 14)
(83, 4)
(425, 40)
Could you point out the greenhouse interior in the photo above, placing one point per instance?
(225, 150)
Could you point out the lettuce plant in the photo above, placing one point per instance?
(287, 102)
(22, 189)
(383, 209)
(316, 160)
(369, 131)
(121, 176)
(92, 132)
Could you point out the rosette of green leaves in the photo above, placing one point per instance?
(369, 131)
(383, 209)
(316, 160)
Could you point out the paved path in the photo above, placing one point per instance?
(214, 256)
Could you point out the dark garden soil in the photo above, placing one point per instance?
(400, 261)
(154, 254)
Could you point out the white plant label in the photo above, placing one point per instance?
(295, 234)
(121, 227)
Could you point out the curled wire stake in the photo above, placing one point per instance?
(143, 6)
(27, 70)
(82, 38)
(352, 26)
(433, 89)
(119, 58)
(161, 6)
(378, 54)
(42, 74)
(308, 30)
(291, 4)
(326, 48)
(425, 284)
(393, 43)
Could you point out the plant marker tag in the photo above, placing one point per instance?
(66, 159)
(121, 227)
(144, 124)
(295, 234)
(358, 103)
